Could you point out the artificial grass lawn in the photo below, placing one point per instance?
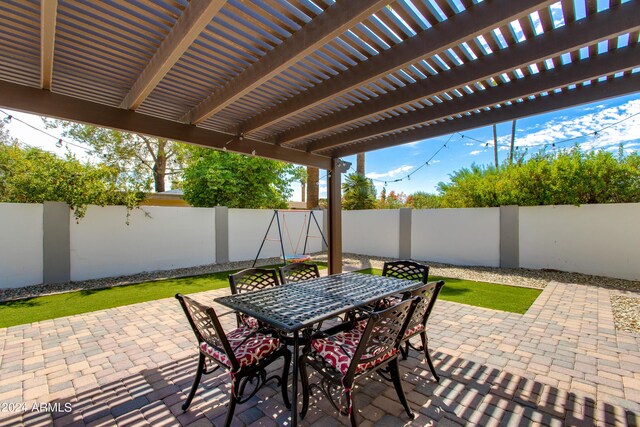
(53, 306)
(482, 294)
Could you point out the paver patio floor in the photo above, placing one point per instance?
(562, 363)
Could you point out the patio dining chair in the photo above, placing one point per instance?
(296, 272)
(252, 279)
(428, 294)
(408, 270)
(403, 269)
(344, 357)
(244, 353)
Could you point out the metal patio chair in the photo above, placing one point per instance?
(296, 272)
(244, 353)
(346, 356)
(252, 279)
(403, 269)
(417, 325)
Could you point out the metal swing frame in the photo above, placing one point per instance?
(276, 217)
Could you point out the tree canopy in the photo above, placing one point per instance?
(32, 175)
(568, 177)
(220, 178)
(358, 192)
(146, 159)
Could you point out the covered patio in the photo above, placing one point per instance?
(310, 82)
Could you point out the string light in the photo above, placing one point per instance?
(59, 141)
(595, 133)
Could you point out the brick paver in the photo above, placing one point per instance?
(561, 363)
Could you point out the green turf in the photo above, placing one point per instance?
(482, 294)
(53, 306)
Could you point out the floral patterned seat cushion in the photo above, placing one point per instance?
(388, 302)
(416, 329)
(338, 351)
(248, 346)
(249, 322)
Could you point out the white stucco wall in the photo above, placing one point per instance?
(593, 239)
(21, 257)
(157, 238)
(247, 228)
(457, 236)
(371, 232)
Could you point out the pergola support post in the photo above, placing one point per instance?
(334, 221)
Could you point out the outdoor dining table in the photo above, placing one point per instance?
(298, 306)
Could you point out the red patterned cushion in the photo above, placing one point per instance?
(388, 302)
(338, 351)
(248, 351)
(414, 330)
(249, 322)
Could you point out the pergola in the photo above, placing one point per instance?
(311, 81)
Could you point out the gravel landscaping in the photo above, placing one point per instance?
(625, 303)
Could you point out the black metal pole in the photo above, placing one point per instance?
(320, 230)
(275, 213)
(284, 257)
(306, 238)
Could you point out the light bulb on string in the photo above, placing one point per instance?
(59, 143)
(7, 119)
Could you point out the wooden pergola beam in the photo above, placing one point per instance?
(556, 101)
(588, 69)
(48, 13)
(191, 23)
(333, 22)
(602, 26)
(464, 26)
(45, 103)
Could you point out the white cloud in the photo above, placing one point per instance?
(391, 173)
(469, 144)
(433, 162)
(475, 152)
(561, 129)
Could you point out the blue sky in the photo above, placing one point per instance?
(531, 132)
(397, 162)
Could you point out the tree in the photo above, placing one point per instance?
(359, 192)
(146, 158)
(392, 200)
(32, 175)
(422, 200)
(360, 164)
(313, 187)
(568, 177)
(300, 175)
(220, 178)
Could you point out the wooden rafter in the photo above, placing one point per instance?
(189, 26)
(24, 98)
(328, 25)
(593, 29)
(556, 101)
(48, 12)
(588, 69)
(466, 25)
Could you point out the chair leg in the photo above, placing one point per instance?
(285, 379)
(352, 410)
(305, 387)
(232, 403)
(196, 382)
(405, 353)
(423, 337)
(394, 370)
